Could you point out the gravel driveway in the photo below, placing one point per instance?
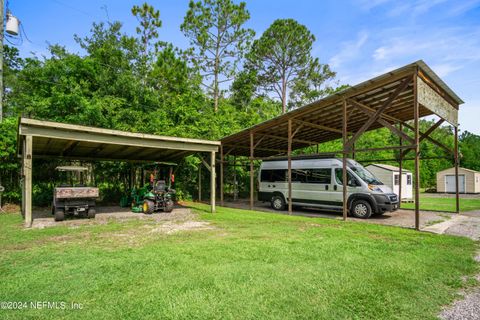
(466, 225)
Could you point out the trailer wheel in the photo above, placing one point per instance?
(148, 207)
(277, 202)
(361, 209)
(59, 214)
(168, 206)
(91, 213)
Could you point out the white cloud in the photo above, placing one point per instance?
(450, 48)
(418, 7)
(444, 69)
(423, 6)
(463, 6)
(349, 50)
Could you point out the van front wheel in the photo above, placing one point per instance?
(361, 209)
(278, 203)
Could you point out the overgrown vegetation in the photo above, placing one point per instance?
(247, 265)
(225, 82)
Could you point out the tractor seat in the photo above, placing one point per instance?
(159, 186)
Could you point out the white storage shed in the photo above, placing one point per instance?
(390, 176)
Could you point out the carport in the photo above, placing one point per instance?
(395, 100)
(45, 139)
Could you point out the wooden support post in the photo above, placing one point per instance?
(251, 170)
(289, 155)
(416, 115)
(353, 151)
(130, 177)
(170, 173)
(27, 163)
(213, 180)
(23, 177)
(457, 195)
(344, 161)
(400, 170)
(200, 183)
(235, 191)
(221, 174)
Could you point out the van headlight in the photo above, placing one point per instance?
(374, 188)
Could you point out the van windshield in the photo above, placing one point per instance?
(365, 175)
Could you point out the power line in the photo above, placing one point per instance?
(73, 8)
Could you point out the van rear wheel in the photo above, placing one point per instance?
(278, 203)
(361, 209)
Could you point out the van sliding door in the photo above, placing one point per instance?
(314, 187)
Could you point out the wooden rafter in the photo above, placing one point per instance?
(286, 139)
(426, 135)
(258, 142)
(383, 122)
(378, 112)
(317, 126)
(69, 147)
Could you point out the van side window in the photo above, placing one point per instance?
(323, 176)
(299, 175)
(266, 176)
(279, 175)
(273, 175)
(352, 181)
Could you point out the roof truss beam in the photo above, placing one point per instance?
(403, 85)
(383, 122)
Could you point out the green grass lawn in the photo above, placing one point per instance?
(251, 265)
(444, 204)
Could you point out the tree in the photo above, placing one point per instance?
(312, 84)
(150, 22)
(470, 150)
(218, 39)
(283, 61)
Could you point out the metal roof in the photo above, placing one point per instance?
(321, 121)
(68, 141)
(387, 167)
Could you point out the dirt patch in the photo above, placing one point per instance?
(107, 214)
(144, 229)
(170, 227)
(10, 208)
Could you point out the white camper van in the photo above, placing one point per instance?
(317, 182)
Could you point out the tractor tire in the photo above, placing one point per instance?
(168, 206)
(59, 214)
(148, 207)
(91, 213)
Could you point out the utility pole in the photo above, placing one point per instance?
(2, 20)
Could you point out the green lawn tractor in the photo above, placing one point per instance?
(160, 197)
(156, 194)
(136, 197)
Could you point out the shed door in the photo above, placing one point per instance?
(450, 183)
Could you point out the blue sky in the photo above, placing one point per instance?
(358, 38)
